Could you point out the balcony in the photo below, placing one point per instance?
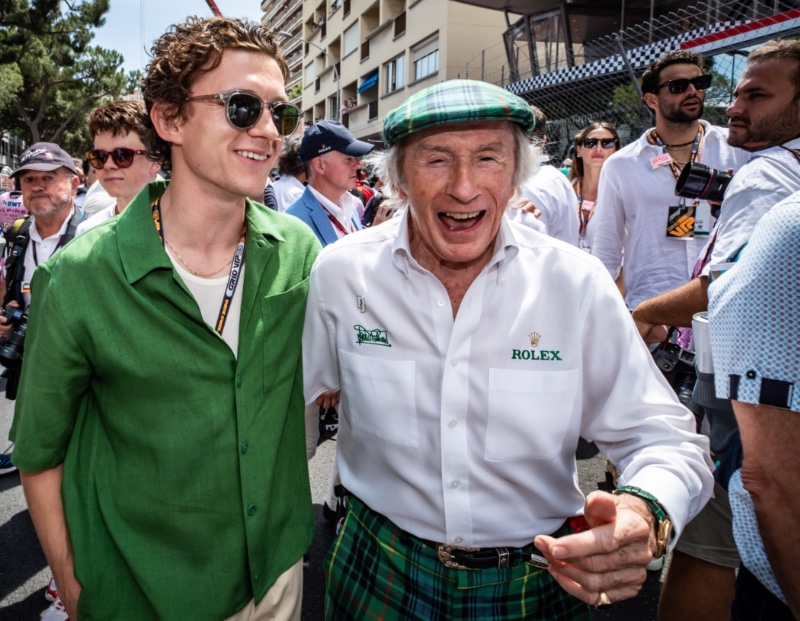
(285, 6)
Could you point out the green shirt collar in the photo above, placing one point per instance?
(140, 249)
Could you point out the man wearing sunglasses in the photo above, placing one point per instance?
(119, 155)
(160, 429)
(764, 119)
(661, 237)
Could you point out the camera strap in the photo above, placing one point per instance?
(236, 267)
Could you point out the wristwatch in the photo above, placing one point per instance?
(663, 523)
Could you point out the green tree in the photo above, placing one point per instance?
(46, 44)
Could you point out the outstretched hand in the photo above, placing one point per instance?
(611, 557)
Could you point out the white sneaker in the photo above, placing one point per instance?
(51, 594)
(55, 612)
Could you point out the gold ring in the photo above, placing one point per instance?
(602, 600)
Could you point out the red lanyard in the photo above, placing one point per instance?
(335, 221)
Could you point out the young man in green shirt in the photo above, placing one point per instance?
(159, 427)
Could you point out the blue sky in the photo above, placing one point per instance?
(132, 25)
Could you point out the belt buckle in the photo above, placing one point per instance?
(444, 553)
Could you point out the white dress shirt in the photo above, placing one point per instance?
(345, 212)
(771, 176)
(97, 218)
(633, 203)
(463, 430)
(40, 249)
(288, 190)
(550, 191)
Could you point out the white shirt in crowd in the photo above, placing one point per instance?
(288, 190)
(39, 250)
(463, 430)
(98, 218)
(550, 191)
(768, 178)
(633, 207)
(345, 212)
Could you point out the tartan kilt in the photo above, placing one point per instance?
(376, 571)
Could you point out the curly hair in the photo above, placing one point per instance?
(652, 77)
(289, 161)
(118, 117)
(576, 169)
(190, 48)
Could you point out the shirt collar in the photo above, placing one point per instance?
(34, 232)
(140, 248)
(643, 142)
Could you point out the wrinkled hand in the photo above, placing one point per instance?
(652, 332)
(611, 556)
(329, 399)
(5, 324)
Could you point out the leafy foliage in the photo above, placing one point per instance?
(50, 74)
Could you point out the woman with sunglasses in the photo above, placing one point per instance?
(593, 146)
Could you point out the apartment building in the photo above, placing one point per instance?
(363, 58)
(286, 16)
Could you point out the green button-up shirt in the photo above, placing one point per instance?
(185, 477)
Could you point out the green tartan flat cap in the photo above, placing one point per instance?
(456, 101)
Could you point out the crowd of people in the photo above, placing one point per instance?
(452, 306)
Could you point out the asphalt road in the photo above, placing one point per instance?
(24, 574)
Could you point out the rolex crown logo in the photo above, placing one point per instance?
(534, 337)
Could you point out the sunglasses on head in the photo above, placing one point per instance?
(121, 156)
(701, 83)
(606, 143)
(244, 109)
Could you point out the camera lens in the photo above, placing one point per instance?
(699, 181)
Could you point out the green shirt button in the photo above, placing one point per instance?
(238, 380)
(244, 447)
(251, 509)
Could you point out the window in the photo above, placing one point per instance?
(351, 39)
(395, 74)
(426, 58)
(311, 74)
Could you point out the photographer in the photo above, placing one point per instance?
(764, 118)
(48, 180)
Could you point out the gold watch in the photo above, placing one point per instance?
(663, 523)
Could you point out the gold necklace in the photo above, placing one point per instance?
(191, 271)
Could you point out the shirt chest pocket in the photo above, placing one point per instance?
(529, 413)
(379, 398)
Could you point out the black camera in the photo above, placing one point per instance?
(677, 365)
(700, 181)
(11, 347)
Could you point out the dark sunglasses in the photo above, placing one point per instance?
(244, 109)
(701, 83)
(122, 156)
(606, 143)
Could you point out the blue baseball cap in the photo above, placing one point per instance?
(324, 136)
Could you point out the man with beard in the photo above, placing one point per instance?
(639, 213)
(48, 180)
(764, 117)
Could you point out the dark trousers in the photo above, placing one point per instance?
(755, 602)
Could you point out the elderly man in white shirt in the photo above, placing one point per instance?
(470, 354)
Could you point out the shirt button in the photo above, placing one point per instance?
(238, 380)
(751, 374)
(452, 424)
(244, 447)
(440, 302)
(458, 540)
(455, 484)
(453, 362)
(251, 510)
